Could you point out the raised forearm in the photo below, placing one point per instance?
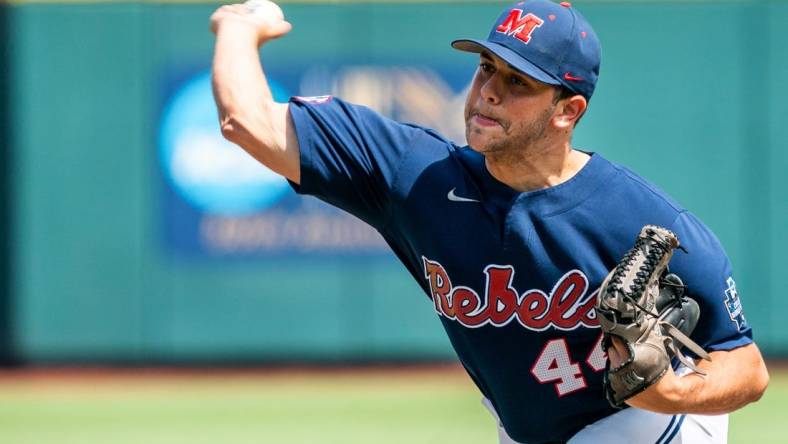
(243, 98)
(248, 115)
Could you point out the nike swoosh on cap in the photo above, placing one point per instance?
(455, 198)
(571, 78)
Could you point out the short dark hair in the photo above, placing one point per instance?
(560, 93)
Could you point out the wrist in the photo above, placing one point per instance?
(239, 34)
(675, 393)
(669, 395)
(684, 390)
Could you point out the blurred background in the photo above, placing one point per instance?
(134, 237)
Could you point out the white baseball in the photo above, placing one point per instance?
(265, 8)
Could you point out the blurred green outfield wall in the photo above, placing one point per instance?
(6, 316)
(692, 96)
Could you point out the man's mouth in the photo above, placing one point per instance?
(483, 120)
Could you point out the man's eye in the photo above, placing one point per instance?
(486, 67)
(517, 81)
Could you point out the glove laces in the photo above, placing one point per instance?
(656, 245)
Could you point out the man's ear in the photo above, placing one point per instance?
(569, 111)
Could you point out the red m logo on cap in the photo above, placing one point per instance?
(518, 26)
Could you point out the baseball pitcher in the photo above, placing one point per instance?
(561, 278)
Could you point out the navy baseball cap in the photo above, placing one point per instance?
(548, 41)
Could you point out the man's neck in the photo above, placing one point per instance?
(537, 170)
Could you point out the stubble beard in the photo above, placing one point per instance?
(519, 140)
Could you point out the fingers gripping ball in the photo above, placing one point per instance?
(265, 9)
(262, 17)
(268, 18)
(646, 310)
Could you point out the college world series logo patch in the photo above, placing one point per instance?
(733, 304)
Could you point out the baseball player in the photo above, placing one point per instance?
(511, 236)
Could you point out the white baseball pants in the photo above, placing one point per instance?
(635, 426)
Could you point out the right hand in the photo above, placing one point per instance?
(262, 18)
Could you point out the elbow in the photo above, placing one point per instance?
(232, 128)
(759, 383)
(757, 380)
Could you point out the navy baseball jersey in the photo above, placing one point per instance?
(512, 276)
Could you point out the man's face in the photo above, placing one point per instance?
(506, 111)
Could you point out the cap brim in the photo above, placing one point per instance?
(509, 56)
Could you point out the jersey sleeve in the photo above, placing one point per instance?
(350, 155)
(708, 275)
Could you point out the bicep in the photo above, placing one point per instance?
(269, 136)
(288, 162)
(350, 156)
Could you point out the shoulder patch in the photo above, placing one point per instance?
(733, 304)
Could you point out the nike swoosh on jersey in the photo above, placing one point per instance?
(455, 198)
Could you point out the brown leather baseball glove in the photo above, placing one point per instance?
(645, 308)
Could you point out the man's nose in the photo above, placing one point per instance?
(490, 90)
